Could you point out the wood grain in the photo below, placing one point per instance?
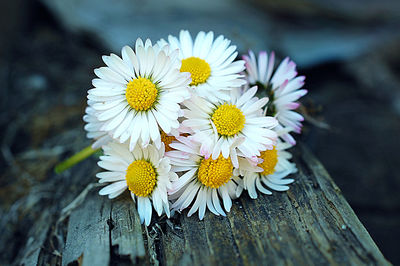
(311, 224)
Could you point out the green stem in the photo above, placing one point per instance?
(74, 159)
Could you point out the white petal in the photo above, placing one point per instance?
(113, 188)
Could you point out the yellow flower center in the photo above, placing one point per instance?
(215, 173)
(141, 178)
(141, 94)
(228, 119)
(167, 140)
(199, 69)
(270, 158)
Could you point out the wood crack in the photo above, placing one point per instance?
(310, 224)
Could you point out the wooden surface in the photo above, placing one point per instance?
(311, 224)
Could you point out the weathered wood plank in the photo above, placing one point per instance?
(310, 224)
(88, 238)
(37, 236)
(173, 243)
(219, 236)
(244, 235)
(196, 244)
(126, 232)
(46, 204)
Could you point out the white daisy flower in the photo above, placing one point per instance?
(210, 63)
(205, 181)
(270, 172)
(144, 171)
(93, 129)
(234, 125)
(282, 87)
(139, 93)
(167, 139)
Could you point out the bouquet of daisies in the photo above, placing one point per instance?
(180, 124)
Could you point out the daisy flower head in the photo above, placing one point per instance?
(269, 172)
(282, 86)
(92, 127)
(232, 126)
(205, 181)
(210, 63)
(145, 172)
(167, 139)
(139, 93)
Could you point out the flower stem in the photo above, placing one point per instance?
(74, 159)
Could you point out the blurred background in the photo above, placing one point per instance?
(349, 51)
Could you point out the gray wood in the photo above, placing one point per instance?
(88, 238)
(311, 224)
(126, 233)
(36, 238)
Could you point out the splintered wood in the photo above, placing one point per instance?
(310, 224)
